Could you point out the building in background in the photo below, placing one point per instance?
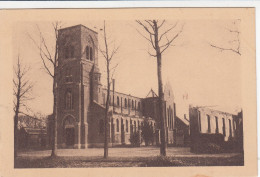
(209, 126)
(31, 132)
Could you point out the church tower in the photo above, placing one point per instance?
(78, 84)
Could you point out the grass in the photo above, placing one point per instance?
(82, 162)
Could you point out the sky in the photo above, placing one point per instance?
(208, 76)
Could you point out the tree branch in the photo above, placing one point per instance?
(167, 31)
(222, 49)
(145, 27)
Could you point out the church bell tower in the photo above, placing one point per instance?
(78, 84)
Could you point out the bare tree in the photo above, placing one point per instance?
(22, 87)
(234, 43)
(158, 37)
(50, 62)
(108, 54)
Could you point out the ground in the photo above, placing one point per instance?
(124, 157)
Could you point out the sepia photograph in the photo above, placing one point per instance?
(155, 87)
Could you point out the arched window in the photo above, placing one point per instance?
(101, 126)
(125, 103)
(87, 52)
(126, 124)
(118, 101)
(91, 54)
(68, 100)
(117, 125)
(135, 126)
(139, 106)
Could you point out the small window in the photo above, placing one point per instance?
(209, 128)
(117, 125)
(224, 127)
(230, 128)
(125, 103)
(133, 106)
(139, 106)
(216, 119)
(117, 101)
(126, 125)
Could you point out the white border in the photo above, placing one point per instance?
(129, 4)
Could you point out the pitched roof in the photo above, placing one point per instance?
(151, 94)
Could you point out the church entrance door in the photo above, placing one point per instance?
(69, 136)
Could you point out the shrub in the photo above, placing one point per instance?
(212, 148)
(135, 139)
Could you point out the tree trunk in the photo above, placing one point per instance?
(16, 130)
(18, 97)
(161, 112)
(54, 140)
(106, 114)
(160, 90)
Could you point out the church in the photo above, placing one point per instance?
(81, 98)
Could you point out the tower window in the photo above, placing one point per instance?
(139, 106)
(133, 106)
(87, 52)
(68, 99)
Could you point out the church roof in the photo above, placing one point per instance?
(151, 94)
